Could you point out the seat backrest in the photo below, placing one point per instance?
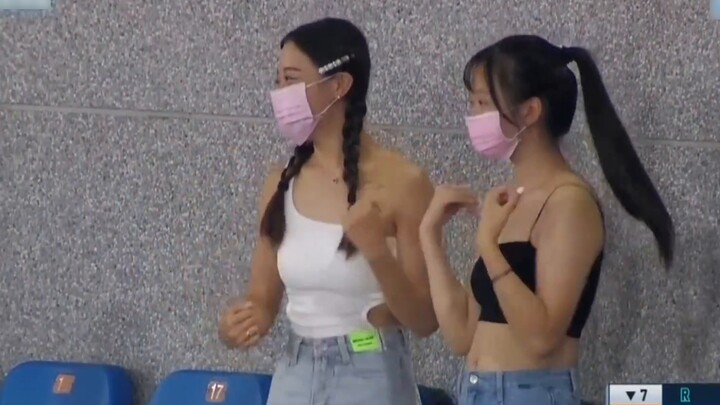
(60, 383)
(200, 387)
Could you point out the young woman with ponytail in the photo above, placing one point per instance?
(541, 236)
(338, 234)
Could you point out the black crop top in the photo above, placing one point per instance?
(521, 257)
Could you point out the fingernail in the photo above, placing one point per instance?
(520, 190)
(248, 304)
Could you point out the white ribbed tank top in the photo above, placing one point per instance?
(328, 294)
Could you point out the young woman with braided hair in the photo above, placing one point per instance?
(338, 234)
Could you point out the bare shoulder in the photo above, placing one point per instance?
(570, 231)
(401, 173)
(574, 200)
(571, 189)
(410, 187)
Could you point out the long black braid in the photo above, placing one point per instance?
(335, 46)
(272, 224)
(352, 129)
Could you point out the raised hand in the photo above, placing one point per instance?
(366, 226)
(447, 201)
(496, 209)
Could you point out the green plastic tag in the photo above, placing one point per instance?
(365, 341)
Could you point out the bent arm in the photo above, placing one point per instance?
(266, 288)
(404, 280)
(570, 239)
(456, 310)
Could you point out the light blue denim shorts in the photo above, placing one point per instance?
(531, 387)
(328, 372)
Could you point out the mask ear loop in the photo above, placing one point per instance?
(307, 86)
(517, 135)
(321, 113)
(317, 117)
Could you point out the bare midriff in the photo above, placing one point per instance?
(496, 348)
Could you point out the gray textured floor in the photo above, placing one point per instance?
(134, 136)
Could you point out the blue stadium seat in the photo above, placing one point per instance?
(58, 383)
(198, 387)
(434, 396)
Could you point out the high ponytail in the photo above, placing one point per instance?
(619, 161)
(521, 67)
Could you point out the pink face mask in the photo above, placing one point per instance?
(488, 138)
(294, 117)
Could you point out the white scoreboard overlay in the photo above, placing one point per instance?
(622, 394)
(663, 394)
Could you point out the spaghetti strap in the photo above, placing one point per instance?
(570, 184)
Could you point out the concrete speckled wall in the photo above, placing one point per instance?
(134, 136)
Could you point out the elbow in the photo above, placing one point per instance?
(458, 342)
(424, 321)
(543, 345)
(459, 349)
(425, 331)
(426, 327)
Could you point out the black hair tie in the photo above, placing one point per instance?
(284, 185)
